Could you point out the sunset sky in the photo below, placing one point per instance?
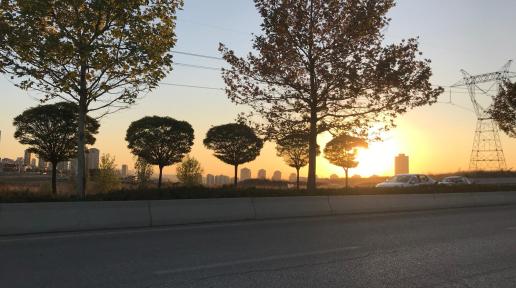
(475, 35)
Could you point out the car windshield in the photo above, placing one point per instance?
(400, 179)
(453, 180)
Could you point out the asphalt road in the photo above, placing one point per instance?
(447, 248)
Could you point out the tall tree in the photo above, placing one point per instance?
(143, 172)
(234, 144)
(503, 110)
(294, 149)
(190, 172)
(160, 141)
(50, 131)
(99, 54)
(323, 64)
(108, 178)
(342, 151)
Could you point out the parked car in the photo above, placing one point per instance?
(455, 180)
(407, 180)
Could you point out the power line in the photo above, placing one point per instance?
(198, 55)
(198, 66)
(192, 86)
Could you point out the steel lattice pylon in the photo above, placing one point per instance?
(487, 152)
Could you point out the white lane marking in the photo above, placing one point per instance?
(254, 260)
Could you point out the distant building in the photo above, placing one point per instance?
(124, 170)
(33, 163)
(63, 166)
(262, 174)
(401, 164)
(210, 180)
(245, 173)
(93, 159)
(27, 157)
(292, 177)
(221, 180)
(42, 164)
(276, 176)
(334, 177)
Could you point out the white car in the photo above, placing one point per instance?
(407, 180)
(455, 180)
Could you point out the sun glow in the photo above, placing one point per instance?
(377, 159)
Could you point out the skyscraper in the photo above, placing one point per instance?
(210, 180)
(262, 174)
(93, 158)
(401, 164)
(276, 176)
(42, 164)
(27, 157)
(245, 173)
(292, 177)
(123, 173)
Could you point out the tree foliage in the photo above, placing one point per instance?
(50, 132)
(99, 54)
(189, 172)
(342, 151)
(234, 144)
(294, 149)
(108, 179)
(503, 110)
(143, 172)
(322, 64)
(160, 141)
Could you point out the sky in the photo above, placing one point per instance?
(475, 35)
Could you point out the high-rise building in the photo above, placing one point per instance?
(42, 164)
(276, 176)
(401, 164)
(245, 173)
(33, 162)
(123, 173)
(221, 180)
(27, 157)
(93, 159)
(262, 174)
(210, 180)
(63, 166)
(292, 177)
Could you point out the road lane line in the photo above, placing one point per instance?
(254, 260)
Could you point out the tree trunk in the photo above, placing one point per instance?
(312, 155)
(297, 180)
(235, 181)
(160, 176)
(54, 178)
(81, 139)
(81, 161)
(346, 171)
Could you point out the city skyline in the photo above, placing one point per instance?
(431, 144)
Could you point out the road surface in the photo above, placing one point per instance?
(447, 248)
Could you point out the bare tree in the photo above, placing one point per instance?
(322, 64)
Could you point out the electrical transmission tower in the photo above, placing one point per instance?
(487, 152)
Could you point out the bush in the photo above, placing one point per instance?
(200, 192)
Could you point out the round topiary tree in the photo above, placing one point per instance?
(234, 144)
(160, 141)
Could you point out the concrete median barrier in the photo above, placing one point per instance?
(29, 218)
(279, 207)
(169, 212)
(58, 217)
